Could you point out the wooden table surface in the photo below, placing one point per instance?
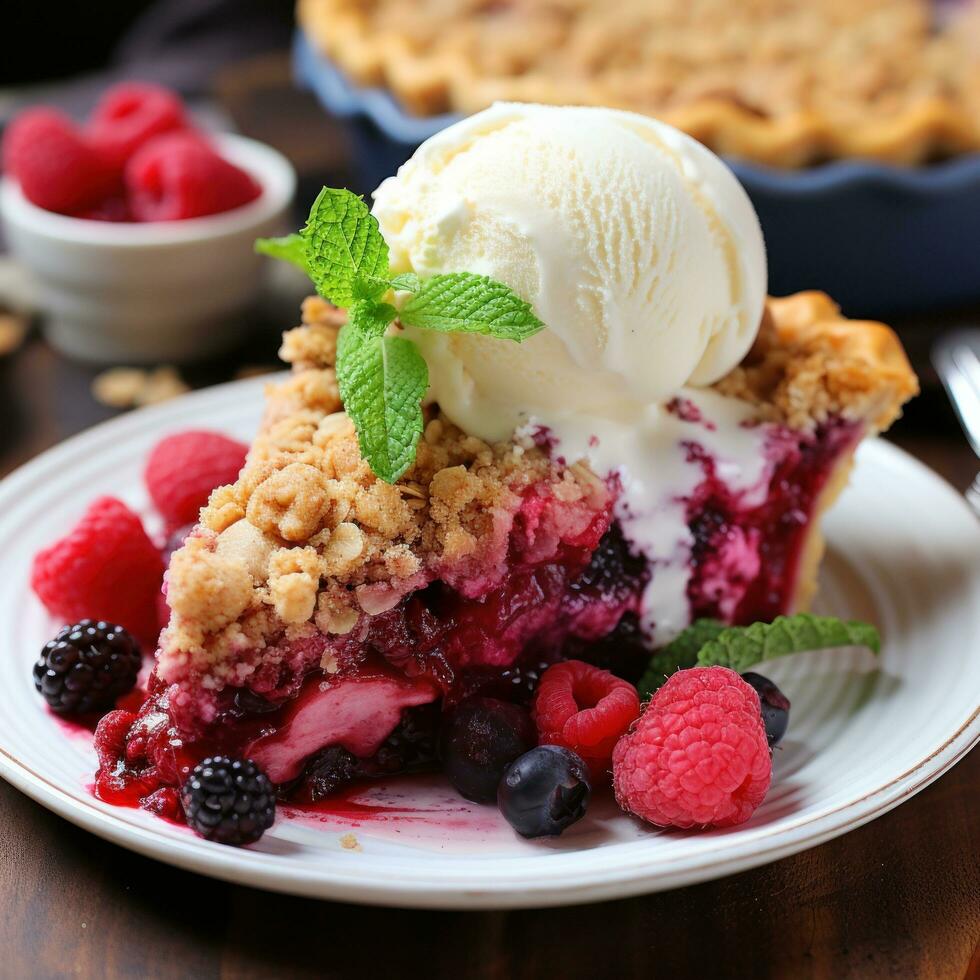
(899, 897)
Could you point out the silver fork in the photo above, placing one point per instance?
(956, 357)
(973, 495)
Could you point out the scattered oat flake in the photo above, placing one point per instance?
(163, 384)
(13, 330)
(124, 387)
(118, 387)
(350, 843)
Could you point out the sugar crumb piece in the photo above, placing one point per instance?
(350, 843)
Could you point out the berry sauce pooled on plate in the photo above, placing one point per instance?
(488, 528)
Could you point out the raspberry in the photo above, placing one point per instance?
(178, 175)
(55, 166)
(110, 738)
(139, 754)
(128, 115)
(698, 756)
(184, 468)
(164, 802)
(113, 208)
(586, 710)
(106, 568)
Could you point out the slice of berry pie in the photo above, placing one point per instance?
(316, 606)
(450, 494)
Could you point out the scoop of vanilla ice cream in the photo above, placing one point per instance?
(634, 244)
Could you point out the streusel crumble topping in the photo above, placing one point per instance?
(308, 533)
(308, 541)
(809, 363)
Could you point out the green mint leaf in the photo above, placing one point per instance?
(408, 282)
(369, 287)
(382, 381)
(681, 653)
(346, 253)
(371, 318)
(739, 647)
(708, 643)
(289, 248)
(464, 302)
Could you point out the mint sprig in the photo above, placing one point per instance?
(466, 303)
(681, 653)
(289, 248)
(383, 378)
(406, 281)
(708, 643)
(345, 250)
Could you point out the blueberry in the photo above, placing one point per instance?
(480, 739)
(775, 706)
(544, 791)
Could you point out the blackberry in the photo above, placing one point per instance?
(230, 801)
(516, 683)
(412, 746)
(624, 652)
(86, 667)
(329, 770)
(614, 570)
(247, 702)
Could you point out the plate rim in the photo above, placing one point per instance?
(569, 885)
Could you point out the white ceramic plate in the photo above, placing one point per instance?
(904, 552)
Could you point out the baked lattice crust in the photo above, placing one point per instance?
(778, 83)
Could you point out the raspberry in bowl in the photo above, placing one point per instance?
(139, 228)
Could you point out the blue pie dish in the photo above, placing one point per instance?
(882, 240)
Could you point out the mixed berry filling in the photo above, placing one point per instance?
(746, 558)
(406, 670)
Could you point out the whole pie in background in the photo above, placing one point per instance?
(787, 84)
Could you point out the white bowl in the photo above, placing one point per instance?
(155, 291)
